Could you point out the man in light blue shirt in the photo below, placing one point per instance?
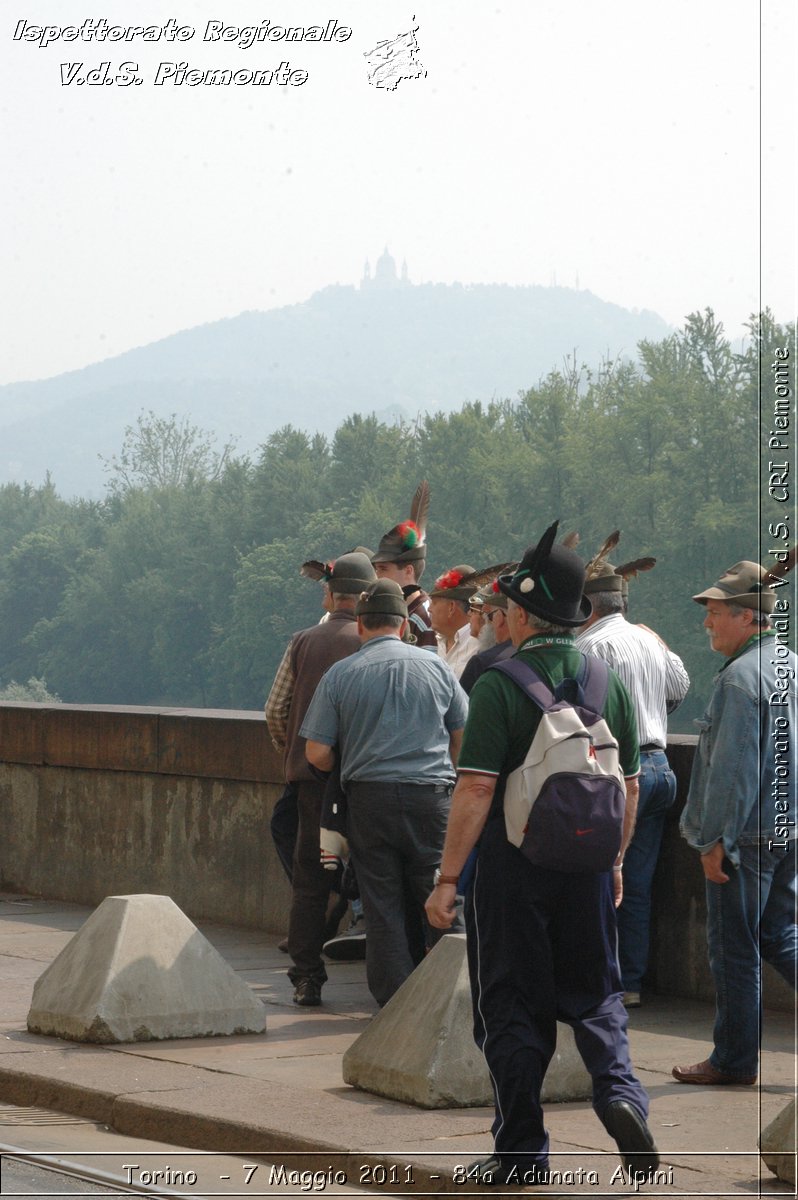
(396, 714)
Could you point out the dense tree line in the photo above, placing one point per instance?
(182, 586)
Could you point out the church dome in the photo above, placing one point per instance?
(385, 270)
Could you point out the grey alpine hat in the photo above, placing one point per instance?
(742, 584)
(600, 574)
(491, 596)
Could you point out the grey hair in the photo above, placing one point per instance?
(549, 626)
(538, 622)
(758, 618)
(605, 603)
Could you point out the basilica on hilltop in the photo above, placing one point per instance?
(384, 277)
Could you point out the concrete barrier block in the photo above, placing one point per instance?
(420, 1047)
(139, 970)
(777, 1144)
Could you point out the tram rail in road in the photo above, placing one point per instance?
(53, 1153)
(107, 1182)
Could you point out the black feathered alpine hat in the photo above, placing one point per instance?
(548, 583)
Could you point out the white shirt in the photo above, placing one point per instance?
(654, 677)
(464, 646)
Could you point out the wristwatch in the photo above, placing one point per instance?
(438, 878)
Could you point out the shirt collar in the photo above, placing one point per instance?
(610, 617)
(754, 638)
(384, 637)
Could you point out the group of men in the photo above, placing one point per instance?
(423, 763)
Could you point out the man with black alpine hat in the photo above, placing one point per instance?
(541, 942)
(740, 814)
(401, 556)
(309, 654)
(396, 714)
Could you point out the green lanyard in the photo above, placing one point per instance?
(543, 639)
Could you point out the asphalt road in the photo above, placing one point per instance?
(26, 1179)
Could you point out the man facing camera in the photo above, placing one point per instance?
(737, 816)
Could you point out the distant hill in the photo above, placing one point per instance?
(395, 351)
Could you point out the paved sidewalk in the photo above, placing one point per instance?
(281, 1093)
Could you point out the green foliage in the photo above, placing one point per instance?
(183, 586)
(33, 692)
(162, 452)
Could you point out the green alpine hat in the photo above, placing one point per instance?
(350, 574)
(384, 597)
(405, 543)
(453, 585)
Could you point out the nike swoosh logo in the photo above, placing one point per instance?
(579, 832)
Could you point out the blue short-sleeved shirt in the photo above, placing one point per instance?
(391, 709)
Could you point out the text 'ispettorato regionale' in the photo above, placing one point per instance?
(242, 37)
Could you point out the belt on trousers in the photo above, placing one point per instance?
(650, 748)
(438, 789)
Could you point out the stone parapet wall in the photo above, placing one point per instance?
(112, 801)
(98, 801)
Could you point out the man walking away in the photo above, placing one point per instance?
(397, 714)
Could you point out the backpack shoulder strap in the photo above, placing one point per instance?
(594, 679)
(587, 689)
(527, 679)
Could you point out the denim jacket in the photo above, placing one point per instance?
(742, 788)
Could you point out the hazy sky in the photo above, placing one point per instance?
(616, 143)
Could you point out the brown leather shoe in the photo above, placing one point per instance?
(705, 1073)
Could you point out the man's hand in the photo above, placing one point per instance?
(470, 806)
(440, 905)
(712, 862)
(617, 885)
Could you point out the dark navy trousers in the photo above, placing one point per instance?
(542, 947)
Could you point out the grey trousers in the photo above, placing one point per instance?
(396, 833)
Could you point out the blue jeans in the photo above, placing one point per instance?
(750, 917)
(657, 794)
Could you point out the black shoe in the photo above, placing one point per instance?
(307, 992)
(283, 945)
(334, 917)
(633, 1137)
(349, 946)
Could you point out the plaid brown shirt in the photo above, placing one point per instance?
(279, 702)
